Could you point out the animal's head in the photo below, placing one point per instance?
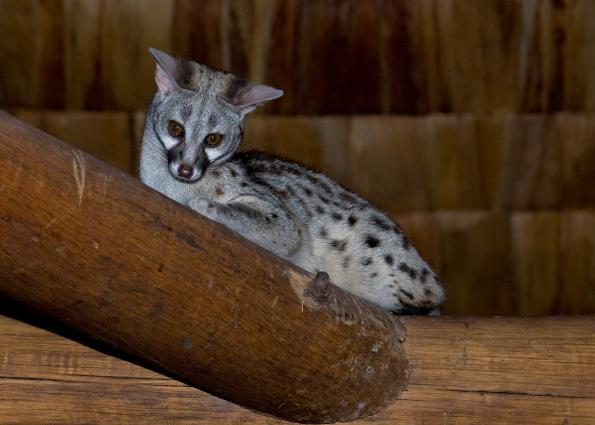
(198, 113)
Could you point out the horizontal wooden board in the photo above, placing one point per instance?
(105, 135)
(464, 371)
(331, 57)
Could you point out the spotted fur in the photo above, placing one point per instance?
(295, 212)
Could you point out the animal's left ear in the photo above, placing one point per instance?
(246, 96)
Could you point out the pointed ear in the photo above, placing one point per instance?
(168, 71)
(246, 96)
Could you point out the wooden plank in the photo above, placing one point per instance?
(477, 263)
(318, 142)
(106, 135)
(393, 157)
(32, 53)
(452, 162)
(577, 268)
(535, 243)
(334, 57)
(465, 371)
(522, 164)
(577, 133)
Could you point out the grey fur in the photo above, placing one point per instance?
(297, 213)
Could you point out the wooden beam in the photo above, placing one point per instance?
(536, 371)
(92, 247)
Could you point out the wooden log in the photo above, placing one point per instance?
(92, 247)
(537, 371)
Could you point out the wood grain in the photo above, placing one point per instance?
(465, 371)
(331, 57)
(90, 246)
(106, 135)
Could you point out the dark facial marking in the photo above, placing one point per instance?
(243, 184)
(352, 220)
(424, 274)
(186, 112)
(367, 261)
(407, 270)
(336, 216)
(373, 275)
(274, 215)
(219, 191)
(319, 209)
(216, 173)
(428, 293)
(213, 120)
(388, 259)
(268, 219)
(372, 241)
(233, 172)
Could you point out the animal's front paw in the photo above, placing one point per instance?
(205, 207)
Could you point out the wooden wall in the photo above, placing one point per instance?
(471, 121)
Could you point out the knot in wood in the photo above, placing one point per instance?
(319, 289)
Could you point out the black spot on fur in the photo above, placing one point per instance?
(424, 275)
(372, 241)
(388, 259)
(318, 183)
(323, 199)
(336, 216)
(339, 245)
(406, 242)
(407, 270)
(233, 172)
(307, 191)
(243, 184)
(274, 215)
(367, 261)
(323, 233)
(319, 209)
(380, 223)
(352, 220)
(346, 261)
(406, 293)
(373, 275)
(347, 197)
(428, 293)
(268, 219)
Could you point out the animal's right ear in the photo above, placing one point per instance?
(168, 71)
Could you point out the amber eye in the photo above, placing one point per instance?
(213, 139)
(175, 129)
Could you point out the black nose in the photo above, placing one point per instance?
(185, 171)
